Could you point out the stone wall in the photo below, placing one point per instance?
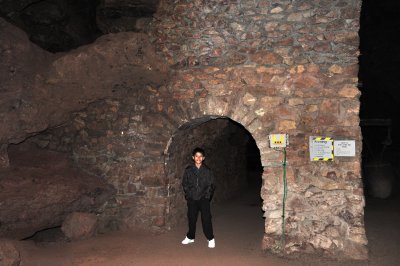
(121, 140)
(271, 66)
(111, 140)
(282, 67)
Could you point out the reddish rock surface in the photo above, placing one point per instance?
(38, 90)
(9, 255)
(79, 225)
(20, 63)
(42, 190)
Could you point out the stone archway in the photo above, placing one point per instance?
(226, 143)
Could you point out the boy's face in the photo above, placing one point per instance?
(198, 158)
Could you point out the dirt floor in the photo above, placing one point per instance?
(238, 227)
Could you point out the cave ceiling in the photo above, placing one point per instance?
(62, 25)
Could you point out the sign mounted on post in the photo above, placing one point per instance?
(321, 149)
(345, 148)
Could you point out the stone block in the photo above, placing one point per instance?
(286, 125)
(295, 101)
(327, 119)
(271, 26)
(306, 81)
(266, 58)
(349, 91)
(79, 225)
(270, 70)
(157, 210)
(329, 106)
(270, 101)
(234, 58)
(336, 69)
(321, 241)
(249, 99)
(295, 17)
(159, 221)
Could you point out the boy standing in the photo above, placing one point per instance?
(198, 186)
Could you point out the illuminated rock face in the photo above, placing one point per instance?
(263, 66)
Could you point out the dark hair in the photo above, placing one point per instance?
(200, 150)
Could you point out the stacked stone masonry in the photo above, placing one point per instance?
(279, 67)
(271, 66)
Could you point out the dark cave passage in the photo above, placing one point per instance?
(378, 82)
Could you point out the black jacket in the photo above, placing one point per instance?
(198, 183)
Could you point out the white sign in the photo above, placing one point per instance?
(321, 149)
(346, 148)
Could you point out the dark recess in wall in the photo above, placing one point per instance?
(379, 61)
(62, 25)
(379, 83)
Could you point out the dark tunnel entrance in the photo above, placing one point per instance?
(232, 154)
(379, 82)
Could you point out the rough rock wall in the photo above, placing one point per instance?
(39, 90)
(279, 66)
(40, 189)
(19, 70)
(122, 140)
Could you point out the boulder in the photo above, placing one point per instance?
(79, 225)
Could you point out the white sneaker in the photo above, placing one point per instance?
(187, 241)
(211, 243)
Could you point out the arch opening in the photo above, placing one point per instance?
(232, 154)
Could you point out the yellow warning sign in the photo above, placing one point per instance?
(321, 149)
(278, 140)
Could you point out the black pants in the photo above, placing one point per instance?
(194, 206)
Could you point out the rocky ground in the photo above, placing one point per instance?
(238, 226)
